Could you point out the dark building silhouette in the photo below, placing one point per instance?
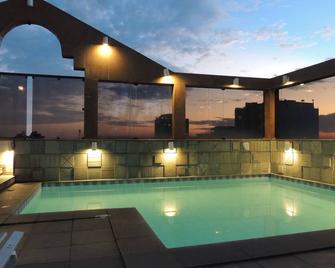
(250, 119)
(297, 120)
(163, 126)
(248, 123)
(294, 120)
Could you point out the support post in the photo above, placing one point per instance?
(270, 100)
(178, 109)
(91, 108)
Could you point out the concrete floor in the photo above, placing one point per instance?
(117, 238)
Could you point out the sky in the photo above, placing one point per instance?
(260, 38)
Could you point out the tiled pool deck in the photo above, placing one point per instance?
(122, 238)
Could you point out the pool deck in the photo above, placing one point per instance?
(122, 238)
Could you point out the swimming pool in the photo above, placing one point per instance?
(186, 213)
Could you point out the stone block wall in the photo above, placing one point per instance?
(57, 160)
(308, 159)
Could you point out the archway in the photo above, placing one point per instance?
(49, 105)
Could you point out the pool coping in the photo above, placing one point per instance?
(211, 254)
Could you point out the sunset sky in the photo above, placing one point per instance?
(260, 38)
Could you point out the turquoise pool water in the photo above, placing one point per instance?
(202, 212)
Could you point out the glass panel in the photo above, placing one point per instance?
(307, 111)
(217, 113)
(57, 107)
(13, 103)
(134, 111)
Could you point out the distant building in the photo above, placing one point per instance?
(250, 119)
(297, 120)
(248, 123)
(163, 126)
(294, 120)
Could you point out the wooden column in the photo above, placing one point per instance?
(91, 108)
(178, 109)
(270, 100)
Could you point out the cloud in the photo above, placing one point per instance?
(326, 32)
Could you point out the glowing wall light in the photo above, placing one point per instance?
(287, 81)
(105, 49)
(170, 153)
(20, 88)
(7, 161)
(94, 156)
(171, 149)
(288, 153)
(236, 83)
(167, 77)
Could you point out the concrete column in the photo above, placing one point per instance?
(178, 109)
(270, 99)
(91, 108)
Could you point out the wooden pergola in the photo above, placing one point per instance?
(83, 43)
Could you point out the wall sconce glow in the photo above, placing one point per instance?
(236, 83)
(105, 49)
(166, 72)
(30, 3)
(167, 77)
(171, 149)
(94, 156)
(288, 153)
(8, 161)
(20, 88)
(171, 152)
(286, 80)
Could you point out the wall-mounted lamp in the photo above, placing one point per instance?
(288, 153)
(171, 149)
(166, 72)
(287, 81)
(167, 78)
(7, 162)
(94, 158)
(105, 41)
(170, 153)
(105, 48)
(236, 83)
(30, 3)
(20, 88)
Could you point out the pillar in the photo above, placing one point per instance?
(270, 99)
(178, 110)
(91, 108)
